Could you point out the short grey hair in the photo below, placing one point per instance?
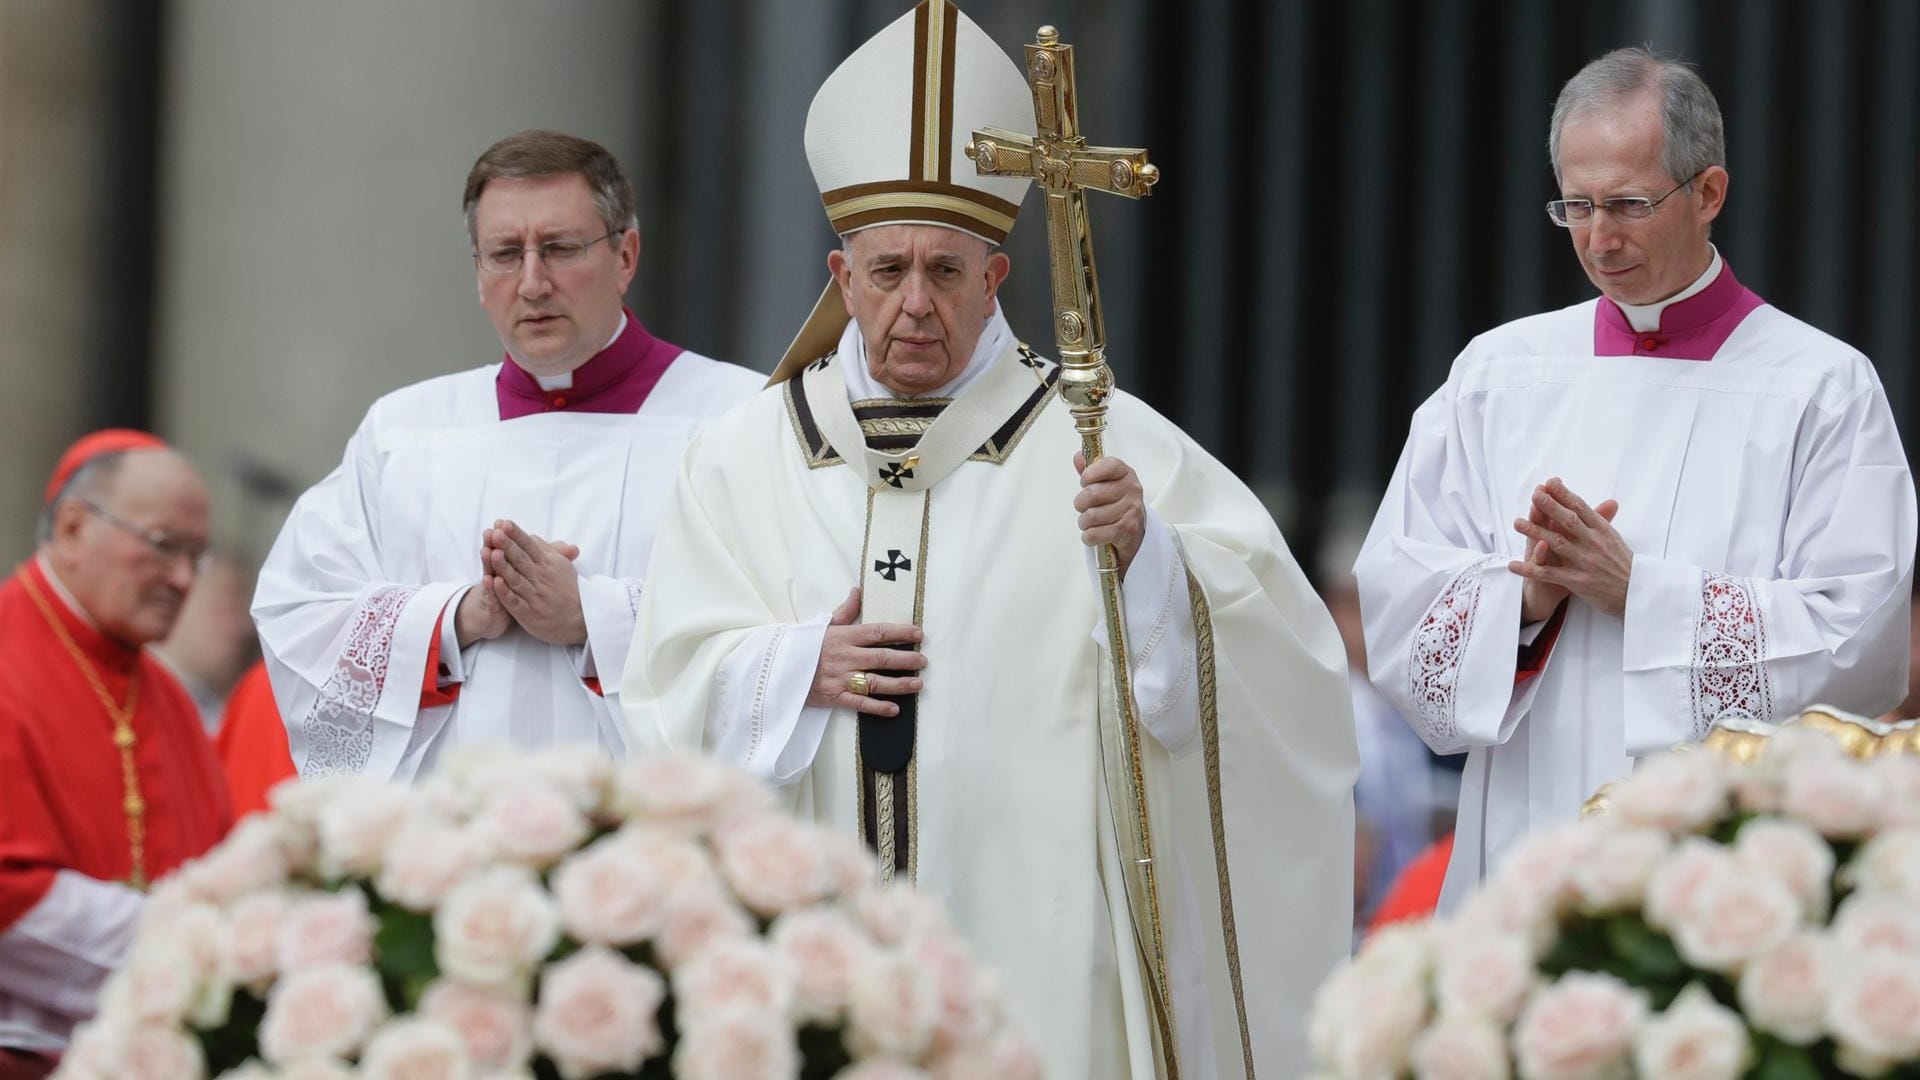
(89, 481)
(1694, 135)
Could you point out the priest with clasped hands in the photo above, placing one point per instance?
(107, 781)
(874, 587)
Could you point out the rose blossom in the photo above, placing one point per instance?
(1580, 1028)
(1484, 975)
(1006, 1056)
(320, 1012)
(252, 1070)
(680, 863)
(1835, 795)
(773, 863)
(323, 929)
(1878, 923)
(495, 926)
(732, 974)
(355, 825)
(881, 1069)
(249, 860)
(685, 792)
(1874, 1013)
(531, 824)
(96, 1048)
(161, 1053)
(893, 1010)
(1889, 863)
(1363, 1023)
(1460, 1048)
(1402, 950)
(893, 913)
(963, 1016)
(316, 1069)
(425, 859)
(597, 1013)
(741, 1045)
(1502, 908)
(1543, 863)
(496, 1028)
(252, 939)
(1613, 876)
(1792, 854)
(1679, 792)
(1738, 914)
(824, 949)
(157, 985)
(1899, 776)
(1785, 991)
(1697, 1038)
(415, 1048)
(1675, 886)
(697, 917)
(581, 774)
(610, 893)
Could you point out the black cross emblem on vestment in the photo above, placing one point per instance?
(1031, 358)
(893, 472)
(896, 563)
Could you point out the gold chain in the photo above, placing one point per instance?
(123, 735)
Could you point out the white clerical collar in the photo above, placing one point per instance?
(1645, 318)
(60, 590)
(564, 380)
(995, 338)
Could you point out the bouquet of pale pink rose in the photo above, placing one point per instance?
(1719, 920)
(554, 916)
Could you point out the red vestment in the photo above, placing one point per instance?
(252, 743)
(62, 789)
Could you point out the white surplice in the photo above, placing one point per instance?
(1250, 766)
(1767, 501)
(373, 555)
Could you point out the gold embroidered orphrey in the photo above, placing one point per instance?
(1066, 168)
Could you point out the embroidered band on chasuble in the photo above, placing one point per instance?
(904, 448)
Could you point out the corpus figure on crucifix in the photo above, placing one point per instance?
(885, 597)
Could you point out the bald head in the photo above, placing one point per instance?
(124, 535)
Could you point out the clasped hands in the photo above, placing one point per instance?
(1572, 549)
(527, 580)
(1113, 510)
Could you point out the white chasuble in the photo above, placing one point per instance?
(370, 558)
(1767, 501)
(1001, 811)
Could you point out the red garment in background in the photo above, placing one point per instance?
(252, 743)
(1416, 892)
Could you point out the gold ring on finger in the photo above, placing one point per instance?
(860, 683)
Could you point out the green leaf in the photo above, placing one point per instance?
(1648, 952)
(1780, 1061)
(403, 945)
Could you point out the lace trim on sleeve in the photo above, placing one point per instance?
(1729, 656)
(759, 720)
(1438, 647)
(634, 588)
(1176, 572)
(339, 729)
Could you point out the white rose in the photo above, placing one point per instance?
(1792, 854)
(1738, 914)
(1005, 1056)
(731, 975)
(894, 913)
(1508, 907)
(162, 1053)
(597, 1013)
(316, 1069)
(157, 985)
(1580, 1028)
(1899, 776)
(97, 1047)
(1484, 975)
(685, 792)
(1362, 1022)
(296, 810)
(965, 1014)
(355, 825)
(880, 1069)
(415, 1048)
(251, 859)
(696, 918)
(893, 1010)
(495, 927)
(581, 773)
(1889, 863)
(1785, 991)
(425, 859)
(1878, 923)
(610, 893)
(496, 1027)
(1402, 950)
(253, 939)
(531, 824)
(1460, 1048)
(773, 863)
(744, 1045)
(1613, 876)
(321, 1013)
(1697, 1038)
(1543, 864)
(1874, 1012)
(323, 929)
(1835, 795)
(824, 948)
(1675, 886)
(1679, 792)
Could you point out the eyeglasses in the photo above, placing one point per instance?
(1569, 213)
(164, 544)
(553, 254)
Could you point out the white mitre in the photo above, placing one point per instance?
(887, 137)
